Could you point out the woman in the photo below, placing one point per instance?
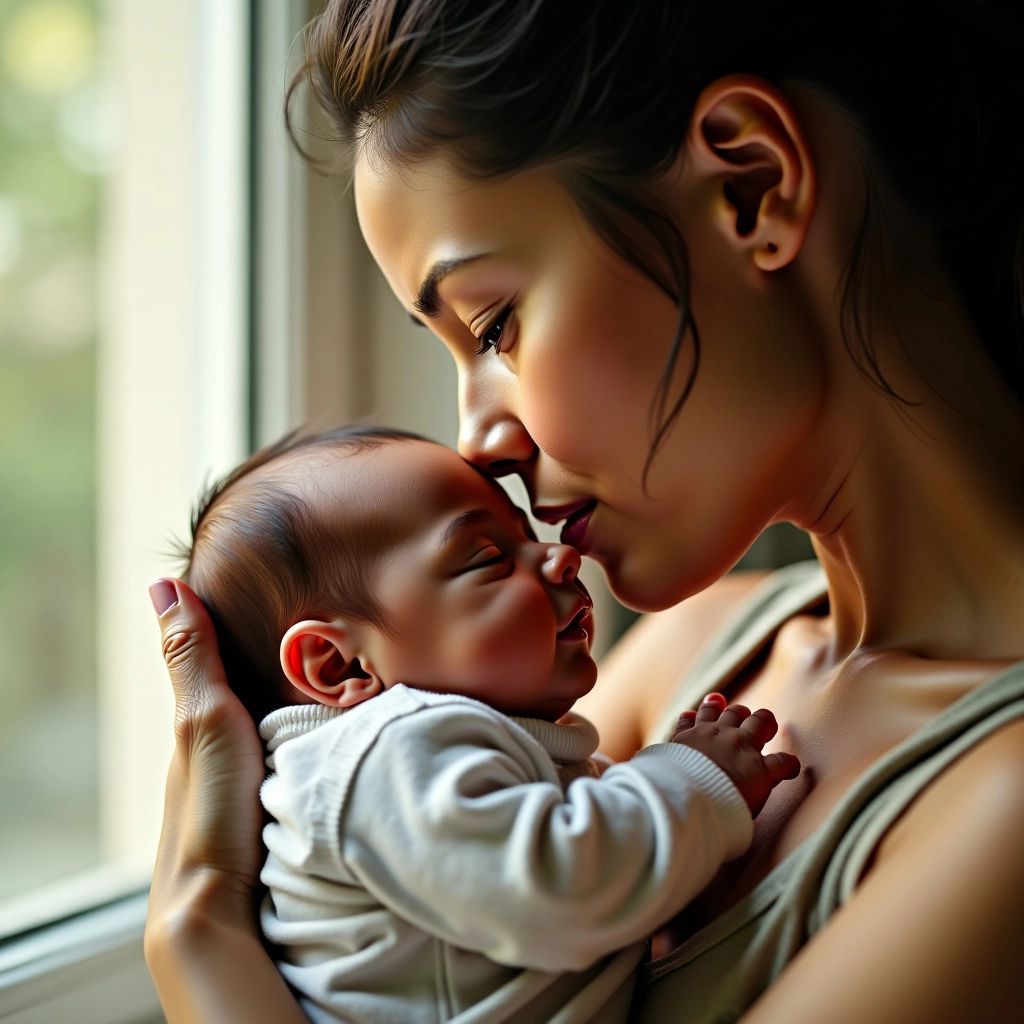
(703, 268)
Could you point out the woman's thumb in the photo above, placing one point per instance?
(189, 645)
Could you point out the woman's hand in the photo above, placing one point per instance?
(212, 813)
(203, 944)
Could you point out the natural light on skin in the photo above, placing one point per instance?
(781, 424)
(428, 300)
(475, 605)
(510, 266)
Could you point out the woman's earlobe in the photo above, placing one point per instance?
(746, 135)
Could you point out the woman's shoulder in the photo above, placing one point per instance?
(982, 792)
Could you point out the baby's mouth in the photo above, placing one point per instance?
(580, 627)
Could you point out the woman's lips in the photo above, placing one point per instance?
(574, 532)
(576, 517)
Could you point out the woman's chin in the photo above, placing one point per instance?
(654, 581)
(637, 589)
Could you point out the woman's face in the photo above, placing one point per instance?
(560, 346)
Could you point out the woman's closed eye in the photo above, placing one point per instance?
(495, 334)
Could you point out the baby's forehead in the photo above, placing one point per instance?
(400, 480)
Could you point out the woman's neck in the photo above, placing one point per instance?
(916, 511)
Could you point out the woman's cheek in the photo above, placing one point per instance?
(565, 403)
(586, 380)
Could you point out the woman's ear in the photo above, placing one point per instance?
(746, 135)
(321, 660)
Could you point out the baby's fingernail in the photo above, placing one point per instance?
(714, 698)
(163, 595)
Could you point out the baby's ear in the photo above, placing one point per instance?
(319, 659)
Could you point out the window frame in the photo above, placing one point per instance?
(173, 405)
(87, 967)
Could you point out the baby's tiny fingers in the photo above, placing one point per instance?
(782, 766)
(734, 715)
(686, 721)
(760, 726)
(710, 709)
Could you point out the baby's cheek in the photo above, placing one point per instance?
(519, 632)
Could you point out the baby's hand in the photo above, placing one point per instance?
(733, 737)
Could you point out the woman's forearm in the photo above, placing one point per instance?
(208, 969)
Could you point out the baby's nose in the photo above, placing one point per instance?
(562, 564)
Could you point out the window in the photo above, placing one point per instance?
(124, 354)
(55, 157)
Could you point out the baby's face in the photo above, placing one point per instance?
(475, 604)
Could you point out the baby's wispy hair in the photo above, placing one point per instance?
(261, 556)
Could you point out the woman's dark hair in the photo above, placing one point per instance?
(602, 90)
(262, 557)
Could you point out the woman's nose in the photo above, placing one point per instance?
(561, 564)
(492, 438)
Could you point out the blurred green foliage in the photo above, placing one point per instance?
(52, 158)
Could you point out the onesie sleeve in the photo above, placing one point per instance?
(454, 822)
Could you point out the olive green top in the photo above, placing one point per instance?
(719, 972)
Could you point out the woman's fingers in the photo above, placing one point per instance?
(212, 814)
(189, 646)
(213, 731)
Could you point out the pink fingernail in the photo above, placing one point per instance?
(163, 595)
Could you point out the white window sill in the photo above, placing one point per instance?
(88, 968)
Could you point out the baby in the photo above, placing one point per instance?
(445, 846)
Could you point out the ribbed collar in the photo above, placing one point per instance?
(295, 720)
(570, 739)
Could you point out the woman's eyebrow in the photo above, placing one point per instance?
(427, 300)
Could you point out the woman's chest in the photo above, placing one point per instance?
(839, 720)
